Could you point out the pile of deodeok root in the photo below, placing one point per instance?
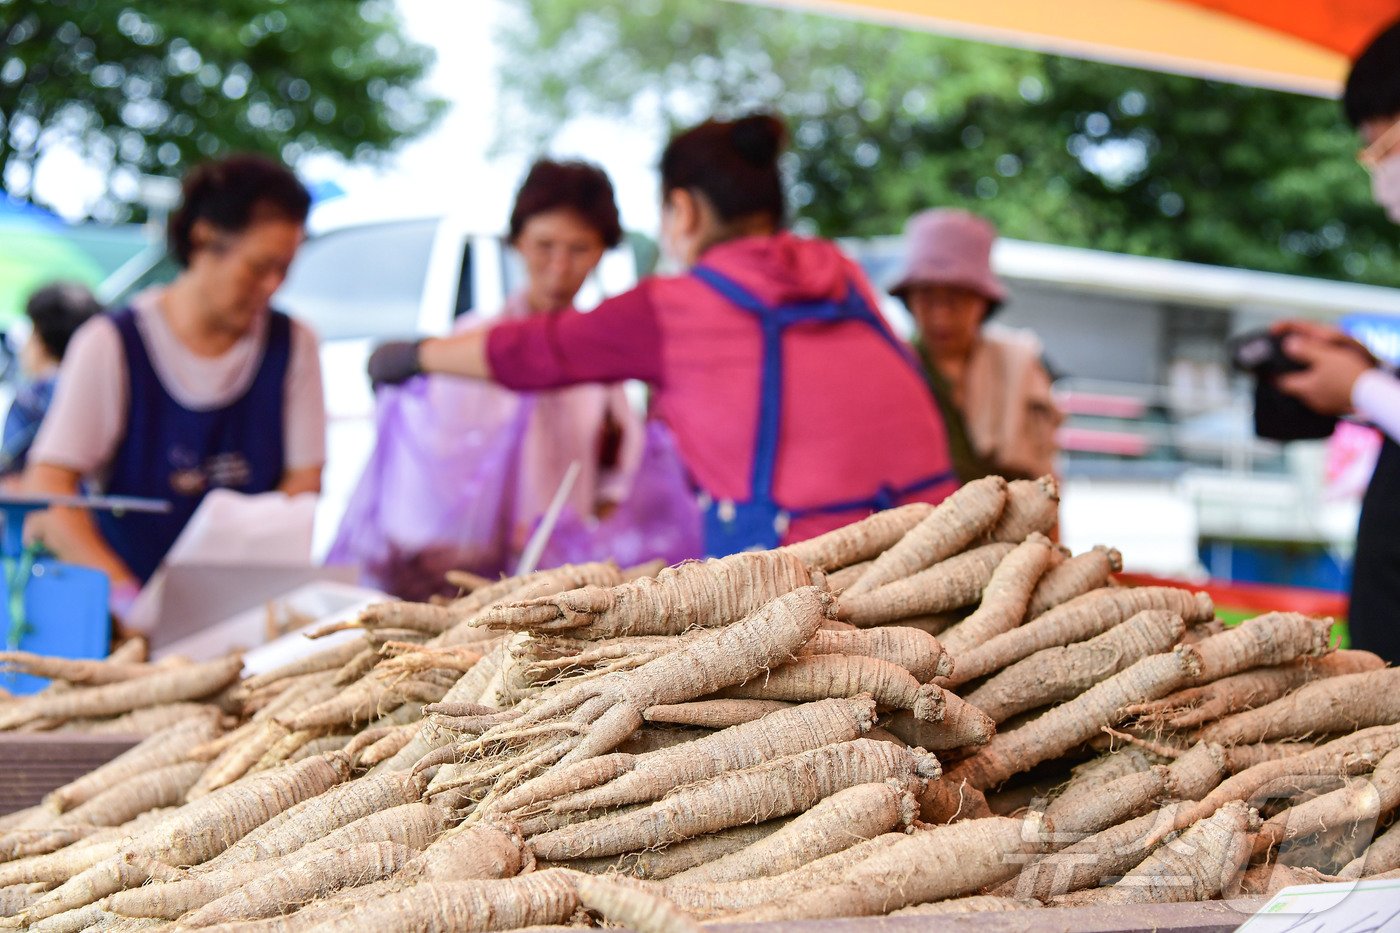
(932, 710)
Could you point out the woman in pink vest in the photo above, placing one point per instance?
(795, 408)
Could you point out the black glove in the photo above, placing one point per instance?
(394, 363)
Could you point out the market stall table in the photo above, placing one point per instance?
(32, 764)
(1206, 917)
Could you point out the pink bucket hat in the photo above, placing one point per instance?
(950, 247)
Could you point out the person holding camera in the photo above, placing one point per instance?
(1340, 377)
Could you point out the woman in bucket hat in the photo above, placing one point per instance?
(990, 382)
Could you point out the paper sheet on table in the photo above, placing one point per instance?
(1372, 904)
(230, 528)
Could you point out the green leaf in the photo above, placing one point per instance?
(150, 87)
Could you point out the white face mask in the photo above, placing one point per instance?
(668, 260)
(1385, 186)
(671, 260)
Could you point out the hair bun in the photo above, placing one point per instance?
(759, 138)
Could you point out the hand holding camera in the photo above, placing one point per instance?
(1304, 373)
(1329, 364)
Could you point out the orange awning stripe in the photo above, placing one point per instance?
(1343, 26)
(1297, 46)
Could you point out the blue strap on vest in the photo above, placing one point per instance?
(759, 523)
(175, 453)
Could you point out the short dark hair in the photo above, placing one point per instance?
(231, 194)
(581, 187)
(1373, 87)
(734, 164)
(57, 310)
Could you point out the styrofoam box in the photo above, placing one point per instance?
(325, 602)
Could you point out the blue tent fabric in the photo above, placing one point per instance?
(15, 210)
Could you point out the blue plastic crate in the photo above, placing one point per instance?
(65, 609)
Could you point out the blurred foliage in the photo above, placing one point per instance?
(886, 122)
(150, 87)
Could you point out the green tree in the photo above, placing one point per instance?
(886, 122)
(150, 87)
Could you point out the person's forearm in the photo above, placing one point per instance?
(72, 534)
(462, 354)
(615, 482)
(1376, 397)
(304, 479)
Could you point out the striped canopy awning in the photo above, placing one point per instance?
(1295, 45)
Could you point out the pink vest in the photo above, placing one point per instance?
(856, 422)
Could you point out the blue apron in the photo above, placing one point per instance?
(171, 452)
(761, 522)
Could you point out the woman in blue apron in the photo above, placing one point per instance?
(192, 387)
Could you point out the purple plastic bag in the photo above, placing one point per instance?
(436, 494)
(659, 518)
(439, 491)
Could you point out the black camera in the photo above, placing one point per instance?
(1277, 416)
(1260, 353)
